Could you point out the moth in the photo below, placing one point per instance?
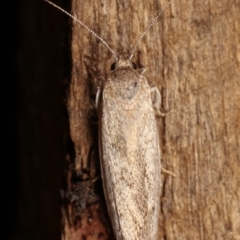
(129, 145)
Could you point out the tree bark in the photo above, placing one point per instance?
(192, 55)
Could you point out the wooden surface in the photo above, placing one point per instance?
(192, 55)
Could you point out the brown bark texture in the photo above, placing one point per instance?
(192, 55)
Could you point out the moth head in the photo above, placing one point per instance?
(123, 62)
(115, 65)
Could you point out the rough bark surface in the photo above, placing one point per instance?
(192, 56)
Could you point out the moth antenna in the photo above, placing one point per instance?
(84, 25)
(148, 27)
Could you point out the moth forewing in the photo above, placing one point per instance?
(130, 155)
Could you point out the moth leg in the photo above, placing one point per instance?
(157, 100)
(96, 79)
(96, 178)
(97, 104)
(97, 99)
(95, 107)
(101, 80)
(168, 172)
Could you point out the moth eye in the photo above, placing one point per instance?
(113, 66)
(134, 66)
